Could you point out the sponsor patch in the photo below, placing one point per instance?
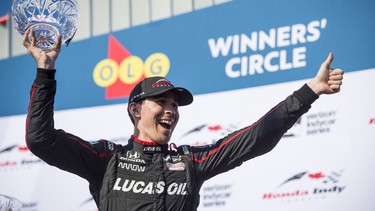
(180, 166)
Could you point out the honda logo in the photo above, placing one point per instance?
(133, 154)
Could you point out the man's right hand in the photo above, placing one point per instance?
(44, 59)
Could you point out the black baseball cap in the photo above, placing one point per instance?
(157, 85)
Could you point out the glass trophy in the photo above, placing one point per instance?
(47, 18)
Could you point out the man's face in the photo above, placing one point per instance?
(158, 118)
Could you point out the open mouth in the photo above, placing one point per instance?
(166, 123)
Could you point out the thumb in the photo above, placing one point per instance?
(328, 61)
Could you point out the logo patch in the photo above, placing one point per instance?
(132, 167)
(180, 166)
(133, 154)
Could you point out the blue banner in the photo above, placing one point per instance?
(231, 46)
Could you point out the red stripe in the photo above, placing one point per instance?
(85, 146)
(28, 110)
(144, 142)
(105, 151)
(235, 135)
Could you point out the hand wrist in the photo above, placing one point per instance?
(46, 65)
(314, 85)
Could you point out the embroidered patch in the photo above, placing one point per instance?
(180, 166)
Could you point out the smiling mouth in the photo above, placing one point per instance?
(166, 123)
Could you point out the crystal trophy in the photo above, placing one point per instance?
(47, 18)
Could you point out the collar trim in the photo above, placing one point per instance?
(148, 143)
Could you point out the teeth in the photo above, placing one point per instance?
(167, 122)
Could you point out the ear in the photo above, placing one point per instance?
(135, 109)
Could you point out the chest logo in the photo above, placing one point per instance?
(143, 187)
(180, 166)
(132, 167)
(133, 156)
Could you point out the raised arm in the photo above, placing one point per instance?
(56, 147)
(262, 136)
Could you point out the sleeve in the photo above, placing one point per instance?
(56, 147)
(253, 140)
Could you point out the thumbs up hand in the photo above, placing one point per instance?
(328, 80)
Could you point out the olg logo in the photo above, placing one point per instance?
(131, 70)
(121, 71)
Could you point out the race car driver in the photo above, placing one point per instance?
(149, 173)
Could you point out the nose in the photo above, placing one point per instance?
(170, 110)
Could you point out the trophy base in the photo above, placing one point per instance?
(46, 35)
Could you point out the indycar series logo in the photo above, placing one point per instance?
(216, 195)
(321, 122)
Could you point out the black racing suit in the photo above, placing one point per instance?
(144, 176)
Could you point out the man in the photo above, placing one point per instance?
(147, 173)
